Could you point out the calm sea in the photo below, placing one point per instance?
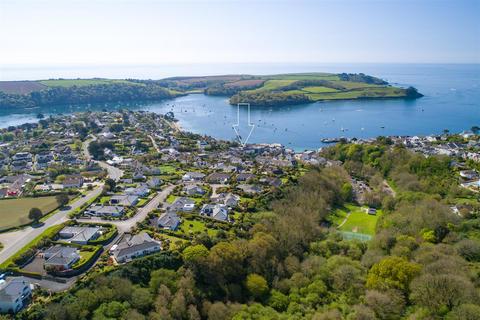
(452, 101)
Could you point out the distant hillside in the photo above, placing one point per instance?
(296, 88)
(267, 90)
(29, 94)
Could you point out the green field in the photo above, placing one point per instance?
(14, 212)
(80, 82)
(311, 87)
(358, 221)
(273, 85)
(318, 89)
(85, 256)
(375, 92)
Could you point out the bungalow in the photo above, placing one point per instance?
(193, 190)
(124, 200)
(275, 182)
(60, 258)
(225, 168)
(24, 156)
(79, 235)
(109, 211)
(154, 182)
(138, 175)
(193, 176)
(131, 247)
(229, 199)
(218, 177)
(244, 177)
(73, 181)
(141, 191)
(168, 220)
(215, 211)
(249, 188)
(182, 204)
(15, 293)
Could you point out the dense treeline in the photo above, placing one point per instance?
(412, 174)
(99, 93)
(230, 90)
(286, 263)
(268, 98)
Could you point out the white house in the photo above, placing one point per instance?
(15, 293)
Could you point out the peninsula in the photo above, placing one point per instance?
(265, 90)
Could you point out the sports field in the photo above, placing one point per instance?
(352, 218)
(14, 212)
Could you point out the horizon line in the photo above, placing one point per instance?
(129, 64)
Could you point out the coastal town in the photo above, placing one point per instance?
(95, 190)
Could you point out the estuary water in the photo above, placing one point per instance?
(452, 101)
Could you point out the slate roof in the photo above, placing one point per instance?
(169, 220)
(132, 244)
(12, 288)
(79, 234)
(60, 255)
(124, 199)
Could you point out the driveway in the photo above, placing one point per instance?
(154, 143)
(113, 172)
(126, 225)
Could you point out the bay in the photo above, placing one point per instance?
(452, 101)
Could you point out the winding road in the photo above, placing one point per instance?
(126, 225)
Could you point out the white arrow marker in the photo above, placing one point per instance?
(235, 126)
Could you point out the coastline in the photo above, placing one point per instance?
(176, 126)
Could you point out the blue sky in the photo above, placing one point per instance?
(63, 32)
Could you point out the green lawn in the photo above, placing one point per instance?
(14, 212)
(190, 227)
(171, 198)
(358, 220)
(168, 169)
(105, 200)
(175, 242)
(142, 202)
(84, 257)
